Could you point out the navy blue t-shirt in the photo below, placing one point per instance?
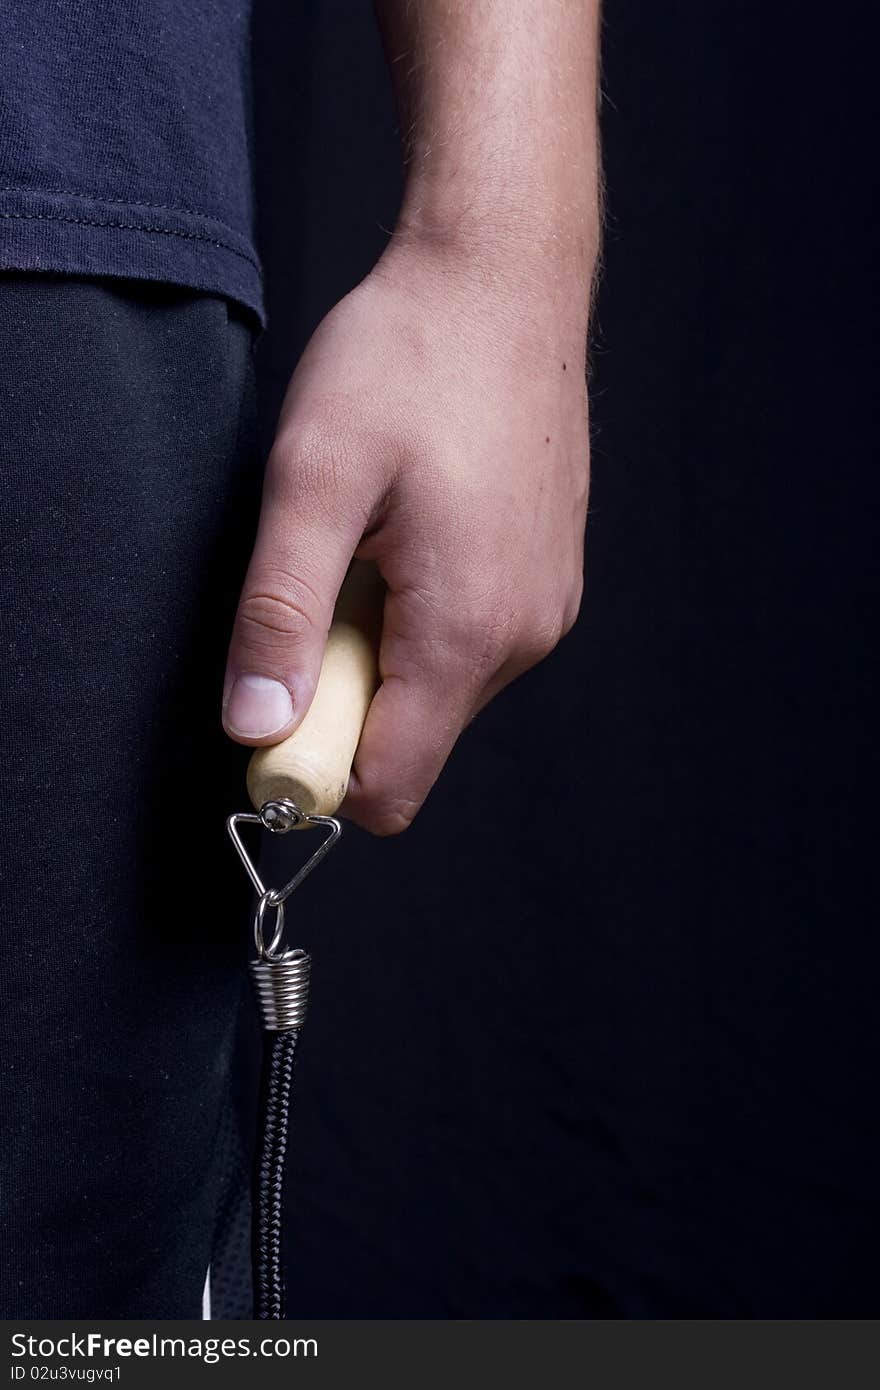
(124, 141)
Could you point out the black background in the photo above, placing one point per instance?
(595, 1037)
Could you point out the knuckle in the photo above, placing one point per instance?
(279, 605)
(572, 606)
(491, 640)
(389, 815)
(538, 645)
(542, 632)
(539, 638)
(375, 806)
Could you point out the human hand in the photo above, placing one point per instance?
(437, 425)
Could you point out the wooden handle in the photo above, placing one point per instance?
(312, 766)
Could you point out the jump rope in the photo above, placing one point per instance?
(299, 785)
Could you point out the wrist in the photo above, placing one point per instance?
(510, 256)
(513, 216)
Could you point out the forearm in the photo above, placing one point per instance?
(497, 103)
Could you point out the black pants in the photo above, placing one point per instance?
(129, 492)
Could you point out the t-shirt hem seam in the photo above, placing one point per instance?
(95, 198)
(131, 227)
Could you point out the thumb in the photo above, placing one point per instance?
(300, 557)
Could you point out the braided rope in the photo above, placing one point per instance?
(272, 1134)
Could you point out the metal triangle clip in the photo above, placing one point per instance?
(279, 817)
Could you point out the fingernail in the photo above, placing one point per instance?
(257, 707)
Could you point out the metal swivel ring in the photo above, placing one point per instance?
(265, 902)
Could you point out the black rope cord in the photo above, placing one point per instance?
(279, 1053)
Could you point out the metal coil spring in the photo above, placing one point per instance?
(282, 989)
